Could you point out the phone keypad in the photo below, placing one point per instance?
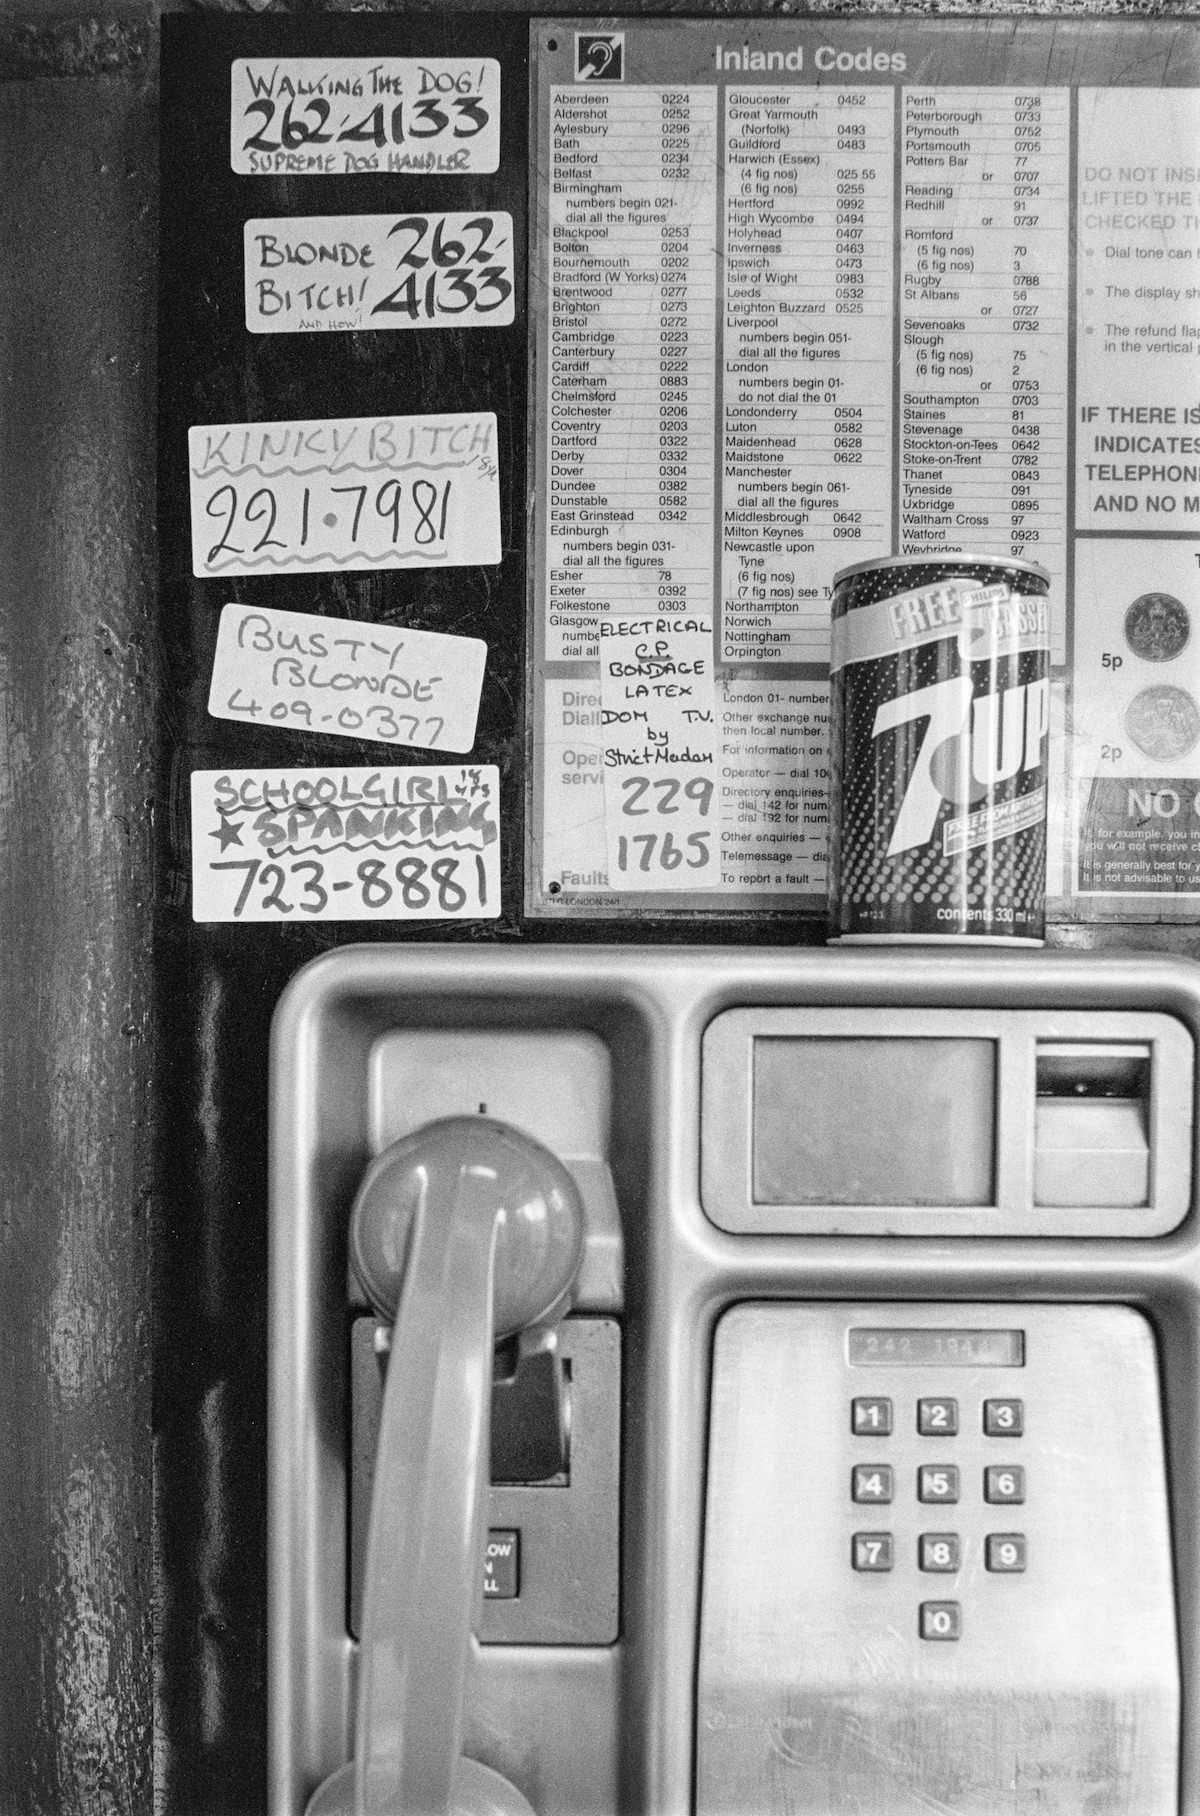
(962, 1647)
(942, 1481)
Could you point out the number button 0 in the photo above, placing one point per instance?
(872, 1551)
(941, 1620)
(1003, 1483)
(872, 1482)
(937, 1482)
(871, 1417)
(1003, 1418)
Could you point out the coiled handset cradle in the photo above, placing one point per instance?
(462, 1234)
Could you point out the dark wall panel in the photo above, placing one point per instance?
(76, 715)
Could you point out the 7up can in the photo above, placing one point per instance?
(941, 710)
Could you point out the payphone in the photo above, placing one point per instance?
(847, 1463)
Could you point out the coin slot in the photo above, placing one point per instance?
(1092, 1123)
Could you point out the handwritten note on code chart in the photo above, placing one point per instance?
(346, 679)
(355, 492)
(660, 763)
(289, 845)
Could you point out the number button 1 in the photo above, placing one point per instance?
(871, 1417)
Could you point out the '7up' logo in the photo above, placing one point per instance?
(969, 745)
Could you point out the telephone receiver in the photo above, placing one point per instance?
(462, 1234)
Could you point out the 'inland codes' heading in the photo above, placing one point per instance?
(827, 59)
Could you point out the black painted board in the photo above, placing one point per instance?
(218, 984)
(214, 371)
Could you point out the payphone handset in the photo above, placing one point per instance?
(462, 1234)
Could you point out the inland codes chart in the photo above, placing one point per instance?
(818, 292)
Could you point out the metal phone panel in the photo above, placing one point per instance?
(1048, 1674)
(965, 1156)
(598, 1728)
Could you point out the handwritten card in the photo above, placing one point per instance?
(340, 274)
(346, 844)
(357, 492)
(657, 712)
(339, 116)
(348, 680)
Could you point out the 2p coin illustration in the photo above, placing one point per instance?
(1164, 722)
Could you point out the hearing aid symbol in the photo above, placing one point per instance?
(463, 1233)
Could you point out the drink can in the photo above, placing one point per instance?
(941, 710)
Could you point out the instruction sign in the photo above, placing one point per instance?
(817, 291)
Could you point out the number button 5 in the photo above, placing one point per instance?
(937, 1482)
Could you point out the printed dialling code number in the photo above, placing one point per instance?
(414, 512)
(458, 116)
(663, 850)
(412, 884)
